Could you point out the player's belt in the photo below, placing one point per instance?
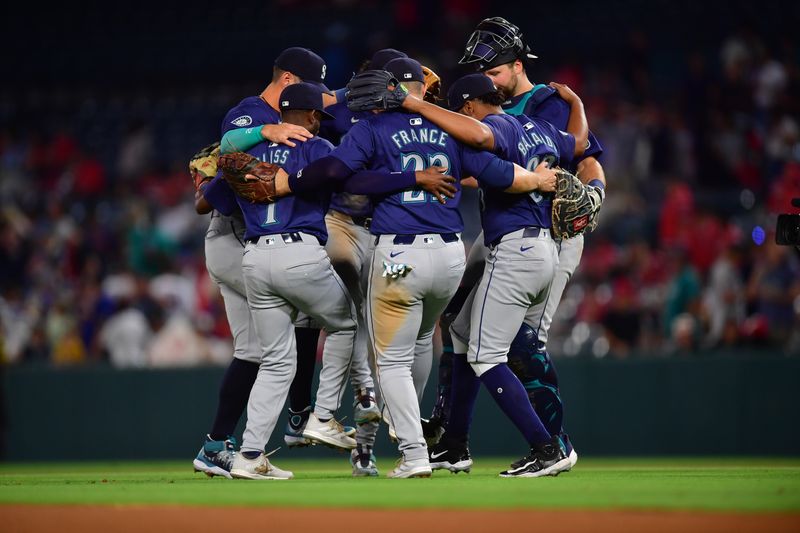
(288, 238)
(527, 233)
(409, 239)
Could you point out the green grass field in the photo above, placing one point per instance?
(731, 485)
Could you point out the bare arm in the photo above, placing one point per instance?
(542, 179)
(590, 169)
(464, 129)
(577, 126)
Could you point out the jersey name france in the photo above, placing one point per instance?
(526, 142)
(544, 103)
(304, 213)
(250, 112)
(394, 142)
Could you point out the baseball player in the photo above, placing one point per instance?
(512, 287)
(223, 247)
(419, 257)
(348, 222)
(496, 49)
(286, 270)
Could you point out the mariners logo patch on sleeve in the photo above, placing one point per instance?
(244, 120)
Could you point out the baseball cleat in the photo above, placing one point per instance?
(330, 433)
(257, 468)
(407, 469)
(215, 457)
(569, 450)
(545, 460)
(363, 462)
(364, 407)
(450, 456)
(293, 434)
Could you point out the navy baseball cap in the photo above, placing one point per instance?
(381, 57)
(304, 64)
(405, 69)
(468, 87)
(303, 96)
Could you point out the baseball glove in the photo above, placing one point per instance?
(249, 177)
(203, 165)
(575, 206)
(370, 90)
(433, 85)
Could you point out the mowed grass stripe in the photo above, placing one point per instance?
(737, 485)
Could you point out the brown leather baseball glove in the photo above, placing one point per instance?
(250, 178)
(433, 85)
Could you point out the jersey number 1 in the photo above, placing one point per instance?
(270, 217)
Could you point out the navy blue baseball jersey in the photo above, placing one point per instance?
(543, 102)
(250, 112)
(526, 142)
(304, 213)
(356, 205)
(397, 141)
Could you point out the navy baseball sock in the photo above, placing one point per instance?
(510, 395)
(444, 390)
(300, 390)
(463, 395)
(234, 391)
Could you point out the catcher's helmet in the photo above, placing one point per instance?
(495, 41)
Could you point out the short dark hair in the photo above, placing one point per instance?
(277, 72)
(493, 98)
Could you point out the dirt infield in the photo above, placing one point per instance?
(176, 519)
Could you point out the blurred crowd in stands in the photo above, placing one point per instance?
(101, 252)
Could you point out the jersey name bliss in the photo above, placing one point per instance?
(421, 135)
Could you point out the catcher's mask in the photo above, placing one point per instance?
(494, 42)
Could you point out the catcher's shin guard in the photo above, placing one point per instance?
(535, 370)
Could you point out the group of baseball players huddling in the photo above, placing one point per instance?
(363, 241)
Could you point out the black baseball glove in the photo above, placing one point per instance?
(374, 89)
(575, 206)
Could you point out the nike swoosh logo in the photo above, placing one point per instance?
(395, 254)
(353, 120)
(523, 249)
(437, 455)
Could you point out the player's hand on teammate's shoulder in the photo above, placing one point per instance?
(566, 94)
(435, 181)
(547, 177)
(285, 133)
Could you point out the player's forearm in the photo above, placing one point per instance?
(578, 126)
(371, 182)
(326, 173)
(526, 181)
(464, 129)
(240, 140)
(590, 169)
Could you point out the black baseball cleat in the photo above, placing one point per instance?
(544, 460)
(449, 455)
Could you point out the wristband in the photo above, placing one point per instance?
(597, 183)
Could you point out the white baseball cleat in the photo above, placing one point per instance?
(330, 433)
(258, 468)
(406, 469)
